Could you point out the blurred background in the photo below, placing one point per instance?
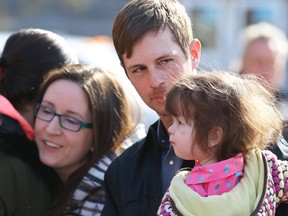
(215, 22)
(87, 24)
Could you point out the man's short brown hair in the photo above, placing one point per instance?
(141, 16)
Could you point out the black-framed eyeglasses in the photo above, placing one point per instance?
(67, 122)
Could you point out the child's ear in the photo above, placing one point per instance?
(215, 136)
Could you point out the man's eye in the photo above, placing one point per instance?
(165, 61)
(138, 69)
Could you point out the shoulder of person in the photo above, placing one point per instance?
(21, 189)
(285, 132)
(280, 148)
(11, 164)
(136, 153)
(138, 146)
(129, 153)
(17, 174)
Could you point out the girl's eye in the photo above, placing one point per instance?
(177, 121)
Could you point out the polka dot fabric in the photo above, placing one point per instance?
(276, 189)
(215, 179)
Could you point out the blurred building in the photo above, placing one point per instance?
(216, 23)
(81, 17)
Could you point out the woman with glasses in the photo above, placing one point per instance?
(27, 56)
(83, 121)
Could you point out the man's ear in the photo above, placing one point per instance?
(215, 136)
(195, 51)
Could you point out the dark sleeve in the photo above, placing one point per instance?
(282, 210)
(3, 210)
(111, 192)
(280, 148)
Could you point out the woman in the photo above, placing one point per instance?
(82, 122)
(27, 56)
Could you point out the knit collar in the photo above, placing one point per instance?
(189, 202)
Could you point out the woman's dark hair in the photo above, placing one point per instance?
(27, 56)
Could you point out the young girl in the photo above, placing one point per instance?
(224, 121)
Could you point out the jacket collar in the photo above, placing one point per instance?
(7, 109)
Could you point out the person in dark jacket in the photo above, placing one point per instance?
(27, 56)
(155, 44)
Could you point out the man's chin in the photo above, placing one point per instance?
(163, 113)
(159, 109)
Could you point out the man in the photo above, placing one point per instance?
(263, 51)
(154, 42)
